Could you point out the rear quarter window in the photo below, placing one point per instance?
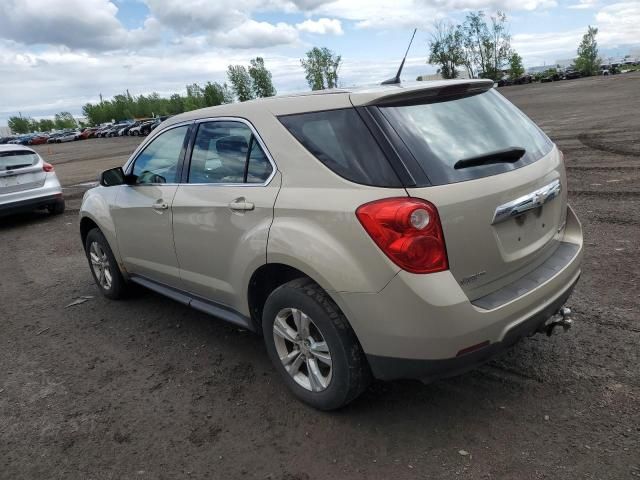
(343, 143)
(440, 134)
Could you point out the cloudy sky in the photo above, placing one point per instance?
(57, 55)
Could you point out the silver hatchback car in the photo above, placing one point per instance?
(27, 182)
(394, 232)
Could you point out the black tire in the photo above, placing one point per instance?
(350, 374)
(56, 208)
(118, 286)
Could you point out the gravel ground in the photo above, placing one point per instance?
(146, 388)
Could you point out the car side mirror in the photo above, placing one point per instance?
(115, 176)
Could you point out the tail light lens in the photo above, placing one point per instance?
(408, 231)
(47, 167)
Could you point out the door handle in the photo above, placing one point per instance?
(160, 205)
(240, 205)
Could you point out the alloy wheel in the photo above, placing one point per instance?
(100, 265)
(302, 349)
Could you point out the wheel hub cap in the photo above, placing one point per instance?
(302, 349)
(100, 265)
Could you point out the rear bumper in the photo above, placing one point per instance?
(389, 368)
(27, 200)
(418, 325)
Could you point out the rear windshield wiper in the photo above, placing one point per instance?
(508, 155)
(19, 165)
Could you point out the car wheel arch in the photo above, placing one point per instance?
(86, 225)
(267, 278)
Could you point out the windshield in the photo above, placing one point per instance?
(441, 134)
(17, 159)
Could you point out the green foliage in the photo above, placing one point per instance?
(46, 125)
(548, 73)
(23, 125)
(446, 49)
(20, 124)
(321, 68)
(64, 120)
(240, 82)
(195, 98)
(486, 46)
(587, 61)
(125, 106)
(216, 94)
(516, 69)
(261, 82)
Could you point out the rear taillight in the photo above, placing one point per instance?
(408, 231)
(47, 167)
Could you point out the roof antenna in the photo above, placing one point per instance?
(396, 80)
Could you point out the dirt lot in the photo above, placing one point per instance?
(146, 388)
(80, 162)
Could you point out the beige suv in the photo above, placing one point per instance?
(395, 232)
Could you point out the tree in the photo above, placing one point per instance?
(46, 125)
(446, 49)
(587, 61)
(475, 39)
(127, 106)
(321, 67)
(20, 124)
(64, 120)
(216, 94)
(500, 44)
(516, 69)
(261, 82)
(486, 47)
(195, 97)
(240, 82)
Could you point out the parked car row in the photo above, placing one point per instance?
(503, 82)
(132, 128)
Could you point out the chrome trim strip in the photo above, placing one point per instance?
(532, 200)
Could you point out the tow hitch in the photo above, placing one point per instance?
(562, 318)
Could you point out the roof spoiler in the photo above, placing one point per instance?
(429, 92)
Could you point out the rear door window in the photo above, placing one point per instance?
(441, 134)
(344, 144)
(227, 152)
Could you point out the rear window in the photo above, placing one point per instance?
(17, 159)
(343, 143)
(440, 134)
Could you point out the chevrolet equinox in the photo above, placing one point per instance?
(402, 231)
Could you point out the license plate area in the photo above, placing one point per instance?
(9, 181)
(528, 230)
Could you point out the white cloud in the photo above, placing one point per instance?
(584, 4)
(538, 48)
(186, 41)
(322, 26)
(252, 34)
(192, 16)
(85, 24)
(417, 13)
(619, 24)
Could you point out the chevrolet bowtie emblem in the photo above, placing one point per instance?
(530, 201)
